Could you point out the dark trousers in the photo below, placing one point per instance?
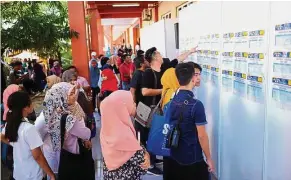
(95, 91)
(76, 166)
(144, 135)
(173, 170)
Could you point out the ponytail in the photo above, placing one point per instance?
(14, 119)
(14, 115)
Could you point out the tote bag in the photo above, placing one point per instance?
(158, 135)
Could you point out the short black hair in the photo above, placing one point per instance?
(100, 56)
(72, 67)
(196, 66)
(104, 60)
(124, 55)
(149, 54)
(120, 52)
(16, 63)
(137, 61)
(140, 53)
(184, 73)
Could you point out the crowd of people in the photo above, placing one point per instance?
(30, 74)
(58, 144)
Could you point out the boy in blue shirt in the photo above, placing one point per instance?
(186, 161)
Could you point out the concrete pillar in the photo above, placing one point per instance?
(100, 36)
(77, 22)
(156, 14)
(93, 29)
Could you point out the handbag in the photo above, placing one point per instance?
(144, 113)
(156, 143)
(91, 124)
(174, 133)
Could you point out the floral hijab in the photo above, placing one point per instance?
(55, 105)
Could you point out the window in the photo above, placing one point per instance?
(182, 6)
(166, 16)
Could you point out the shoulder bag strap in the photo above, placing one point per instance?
(63, 128)
(160, 104)
(156, 86)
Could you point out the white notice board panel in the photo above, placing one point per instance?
(244, 47)
(245, 53)
(160, 35)
(154, 36)
(278, 146)
(203, 29)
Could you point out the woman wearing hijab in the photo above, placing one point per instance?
(124, 158)
(170, 85)
(60, 104)
(53, 157)
(57, 69)
(7, 92)
(94, 79)
(51, 80)
(109, 81)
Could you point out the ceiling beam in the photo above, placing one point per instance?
(121, 15)
(109, 6)
(123, 2)
(121, 10)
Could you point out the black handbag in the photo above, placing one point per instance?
(175, 132)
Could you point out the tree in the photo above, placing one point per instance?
(37, 25)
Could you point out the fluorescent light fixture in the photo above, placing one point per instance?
(125, 5)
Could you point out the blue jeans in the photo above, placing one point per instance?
(125, 86)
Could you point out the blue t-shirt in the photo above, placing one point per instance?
(189, 150)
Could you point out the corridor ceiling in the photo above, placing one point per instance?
(120, 14)
(119, 24)
(121, 9)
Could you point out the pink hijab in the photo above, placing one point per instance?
(118, 136)
(7, 92)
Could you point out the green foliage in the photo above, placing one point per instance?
(88, 18)
(41, 26)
